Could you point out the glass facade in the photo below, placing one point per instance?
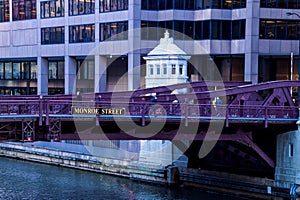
(53, 35)
(23, 9)
(114, 31)
(113, 5)
(18, 70)
(24, 73)
(192, 4)
(81, 7)
(82, 33)
(280, 4)
(279, 29)
(276, 67)
(4, 10)
(52, 8)
(196, 30)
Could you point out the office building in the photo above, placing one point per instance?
(58, 47)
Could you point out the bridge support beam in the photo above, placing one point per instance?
(28, 129)
(287, 171)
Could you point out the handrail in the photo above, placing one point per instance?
(143, 110)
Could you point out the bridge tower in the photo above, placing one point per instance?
(166, 64)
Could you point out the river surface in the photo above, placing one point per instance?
(28, 180)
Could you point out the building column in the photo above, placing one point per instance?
(251, 41)
(100, 73)
(42, 82)
(134, 71)
(70, 75)
(134, 42)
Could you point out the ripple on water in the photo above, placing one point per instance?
(29, 181)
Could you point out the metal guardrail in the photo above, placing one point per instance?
(45, 108)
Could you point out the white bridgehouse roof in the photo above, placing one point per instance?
(167, 47)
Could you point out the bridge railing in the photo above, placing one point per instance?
(20, 107)
(208, 110)
(52, 107)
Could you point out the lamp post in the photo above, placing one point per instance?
(290, 14)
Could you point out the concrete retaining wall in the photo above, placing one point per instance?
(126, 168)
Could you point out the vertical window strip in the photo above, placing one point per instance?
(82, 33)
(114, 5)
(24, 9)
(114, 31)
(53, 35)
(82, 7)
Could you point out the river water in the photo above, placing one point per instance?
(28, 180)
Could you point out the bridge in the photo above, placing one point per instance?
(244, 118)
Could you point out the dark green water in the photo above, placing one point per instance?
(27, 180)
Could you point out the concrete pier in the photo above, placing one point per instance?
(287, 172)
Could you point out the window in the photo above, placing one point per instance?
(291, 30)
(24, 9)
(113, 5)
(82, 33)
(85, 69)
(179, 4)
(238, 29)
(52, 70)
(279, 4)
(81, 7)
(168, 4)
(53, 35)
(206, 29)
(165, 69)
(25, 70)
(198, 30)
(151, 30)
(16, 71)
(151, 70)
(4, 10)
(226, 30)
(215, 32)
(114, 31)
(33, 70)
(180, 69)
(178, 30)
(157, 69)
(52, 8)
(56, 70)
(8, 70)
(173, 69)
(291, 150)
(279, 29)
(1, 70)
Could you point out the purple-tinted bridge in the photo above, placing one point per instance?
(249, 115)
